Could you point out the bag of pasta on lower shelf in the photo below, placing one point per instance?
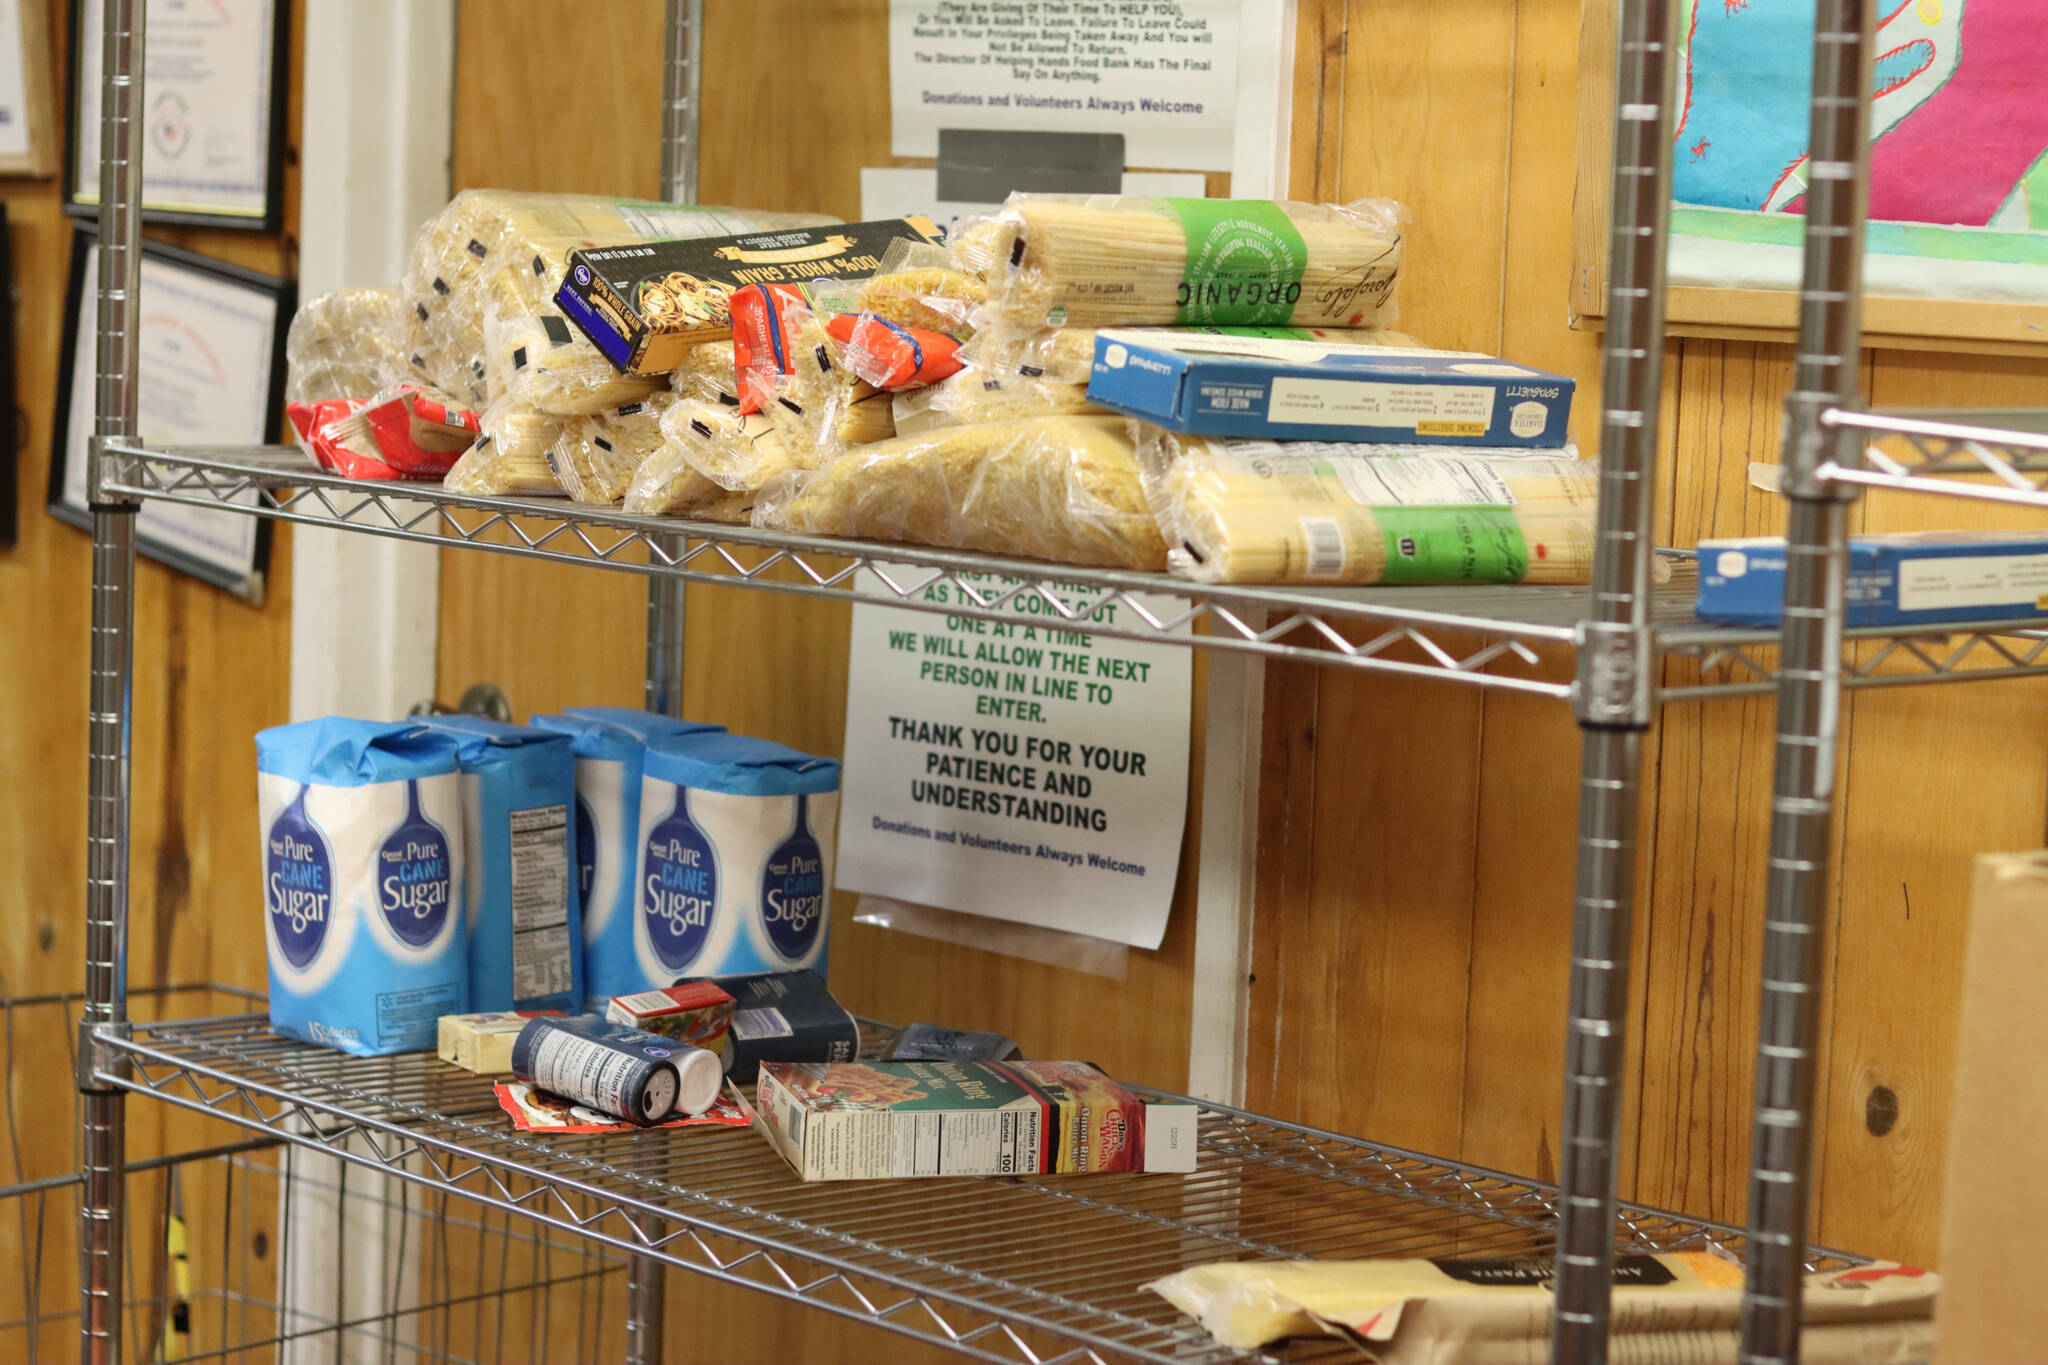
(596, 457)
(1248, 511)
(974, 396)
(510, 457)
(1058, 488)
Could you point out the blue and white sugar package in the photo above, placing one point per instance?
(362, 882)
(735, 873)
(525, 916)
(608, 743)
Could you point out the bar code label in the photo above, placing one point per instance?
(1325, 540)
(760, 1023)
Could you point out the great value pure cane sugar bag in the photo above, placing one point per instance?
(363, 883)
(525, 914)
(735, 857)
(609, 743)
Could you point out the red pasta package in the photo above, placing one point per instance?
(765, 320)
(405, 432)
(892, 356)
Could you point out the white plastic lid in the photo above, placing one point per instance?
(659, 1097)
(701, 1075)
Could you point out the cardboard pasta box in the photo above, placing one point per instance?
(646, 304)
(1287, 389)
(892, 1120)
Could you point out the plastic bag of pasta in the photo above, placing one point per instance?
(973, 396)
(822, 424)
(510, 457)
(670, 482)
(1066, 355)
(535, 359)
(346, 344)
(596, 457)
(735, 451)
(1058, 488)
(972, 244)
(1329, 512)
(709, 373)
(1121, 261)
(918, 285)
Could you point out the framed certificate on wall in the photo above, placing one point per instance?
(213, 136)
(28, 127)
(211, 372)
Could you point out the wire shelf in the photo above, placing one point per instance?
(1015, 1270)
(216, 1272)
(1504, 637)
(1930, 452)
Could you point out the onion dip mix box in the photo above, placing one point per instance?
(891, 1120)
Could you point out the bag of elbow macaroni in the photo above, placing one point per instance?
(362, 883)
(609, 743)
(525, 919)
(735, 857)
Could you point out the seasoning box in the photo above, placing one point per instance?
(696, 1012)
(644, 305)
(483, 1042)
(892, 1120)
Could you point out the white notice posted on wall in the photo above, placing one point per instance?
(1014, 768)
(1161, 72)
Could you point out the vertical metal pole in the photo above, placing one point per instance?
(1615, 695)
(682, 81)
(102, 1232)
(1809, 680)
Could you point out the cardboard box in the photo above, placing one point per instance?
(1996, 1201)
(1900, 579)
(482, 1042)
(646, 304)
(697, 1012)
(893, 1120)
(1290, 390)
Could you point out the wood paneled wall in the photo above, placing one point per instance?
(1417, 842)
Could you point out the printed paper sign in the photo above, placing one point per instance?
(1161, 72)
(1015, 768)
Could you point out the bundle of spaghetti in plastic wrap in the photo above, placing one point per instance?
(1118, 261)
(710, 462)
(973, 396)
(510, 457)
(346, 344)
(1058, 488)
(595, 458)
(537, 360)
(1325, 512)
(511, 247)
(820, 406)
(1066, 355)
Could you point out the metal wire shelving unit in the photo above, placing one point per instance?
(1012, 1270)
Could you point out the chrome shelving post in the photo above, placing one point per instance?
(102, 1153)
(1614, 694)
(1809, 679)
(681, 86)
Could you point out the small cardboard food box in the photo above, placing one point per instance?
(697, 1012)
(1285, 389)
(891, 1120)
(645, 304)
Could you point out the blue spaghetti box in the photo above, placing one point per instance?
(1306, 389)
(1905, 578)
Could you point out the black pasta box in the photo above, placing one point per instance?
(647, 303)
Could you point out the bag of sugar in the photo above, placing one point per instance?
(525, 918)
(735, 867)
(608, 743)
(362, 882)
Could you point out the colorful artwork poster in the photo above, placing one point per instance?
(1959, 147)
